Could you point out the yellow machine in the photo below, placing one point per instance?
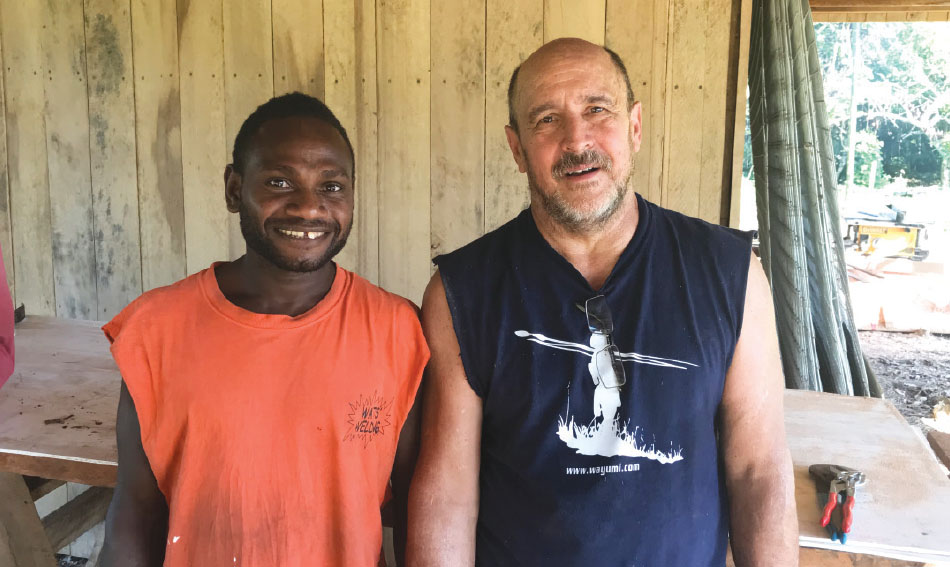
(895, 240)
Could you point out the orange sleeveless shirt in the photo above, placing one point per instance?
(271, 437)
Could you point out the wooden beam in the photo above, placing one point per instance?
(77, 516)
(738, 126)
(940, 443)
(879, 5)
(40, 487)
(22, 540)
(826, 558)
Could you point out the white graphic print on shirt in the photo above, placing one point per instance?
(604, 435)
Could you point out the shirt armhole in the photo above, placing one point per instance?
(465, 351)
(130, 355)
(742, 287)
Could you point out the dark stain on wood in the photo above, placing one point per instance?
(184, 6)
(168, 173)
(58, 420)
(105, 55)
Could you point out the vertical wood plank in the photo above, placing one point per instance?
(403, 58)
(350, 59)
(248, 78)
(513, 31)
(659, 114)
(742, 81)
(203, 148)
(298, 46)
(631, 33)
(458, 123)
(715, 88)
(585, 19)
(112, 154)
(158, 139)
(687, 73)
(6, 227)
(341, 88)
(20, 24)
(67, 145)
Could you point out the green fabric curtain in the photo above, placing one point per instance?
(796, 193)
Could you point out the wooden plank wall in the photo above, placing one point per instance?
(117, 117)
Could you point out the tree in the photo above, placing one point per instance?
(901, 87)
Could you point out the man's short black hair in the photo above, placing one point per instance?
(512, 85)
(283, 106)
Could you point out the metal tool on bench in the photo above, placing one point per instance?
(839, 483)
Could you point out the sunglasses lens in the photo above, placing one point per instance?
(598, 315)
(610, 368)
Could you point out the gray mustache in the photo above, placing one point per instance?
(590, 158)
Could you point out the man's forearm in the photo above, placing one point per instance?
(134, 539)
(763, 518)
(441, 532)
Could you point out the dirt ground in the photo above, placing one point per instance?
(913, 370)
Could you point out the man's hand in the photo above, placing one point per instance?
(758, 466)
(443, 501)
(137, 522)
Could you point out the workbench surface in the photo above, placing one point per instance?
(57, 411)
(57, 421)
(903, 511)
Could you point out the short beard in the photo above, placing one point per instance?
(569, 218)
(257, 241)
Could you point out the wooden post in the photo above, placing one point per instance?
(23, 541)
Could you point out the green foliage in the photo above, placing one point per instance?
(903, 97)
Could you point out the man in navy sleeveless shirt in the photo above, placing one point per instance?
(605, 386)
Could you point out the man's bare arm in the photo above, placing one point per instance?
(137, 522)
(407, 452)
(759, 479)
(443, 501)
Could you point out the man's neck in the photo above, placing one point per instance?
(593, 253)
(255, 284)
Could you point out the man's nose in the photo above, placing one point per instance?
(307, 203)
(577, 134)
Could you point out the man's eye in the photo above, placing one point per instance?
(279, 183)
(596, 109)
(547, 119)
(334, 187)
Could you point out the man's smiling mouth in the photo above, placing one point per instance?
(301, 234)
(582, 171)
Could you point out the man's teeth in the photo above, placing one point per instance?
(581, 172)
(300, 234)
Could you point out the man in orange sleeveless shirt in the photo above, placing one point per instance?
(263, 399)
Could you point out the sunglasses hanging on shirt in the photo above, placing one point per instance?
(606, 358)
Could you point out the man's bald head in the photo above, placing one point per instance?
(567, 46)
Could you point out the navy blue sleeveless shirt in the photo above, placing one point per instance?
(575, 473)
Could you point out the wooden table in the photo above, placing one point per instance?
(57, 421)
(903, 511)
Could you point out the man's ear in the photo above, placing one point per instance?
(514, 142)
(636, 126)
(232, 188)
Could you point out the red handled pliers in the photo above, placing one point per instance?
(838, 512)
